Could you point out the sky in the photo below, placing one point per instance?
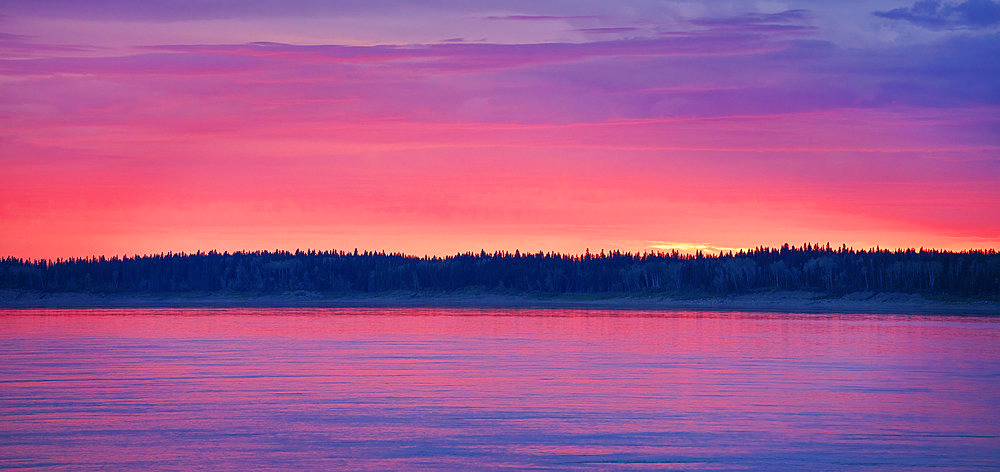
(446, 126)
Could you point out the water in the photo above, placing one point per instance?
(460, 389)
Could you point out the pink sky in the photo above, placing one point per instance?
(135, 129)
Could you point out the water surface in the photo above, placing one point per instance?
(462, 389)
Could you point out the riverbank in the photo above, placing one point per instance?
(782, 302)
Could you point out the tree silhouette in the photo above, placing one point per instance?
(811, 267)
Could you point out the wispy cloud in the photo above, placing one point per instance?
(607, 30)
(23, 46)
(541, 17)
(938, 15)
(785, 17)
(698, 75)
(789, 21)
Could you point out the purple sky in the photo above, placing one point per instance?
(444, 126)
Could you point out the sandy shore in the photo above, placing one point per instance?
(782, 302)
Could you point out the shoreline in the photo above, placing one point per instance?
(775, 302)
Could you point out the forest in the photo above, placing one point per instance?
(815, 268)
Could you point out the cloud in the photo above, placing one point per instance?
(707, 74)
(7, 37)
(181, 10)
(785, 17)
(135, 65)
(541, 17)
(21, 46)
(609, 30)
(789, 21)
(184, 10)
(491, 56)
(936, 15)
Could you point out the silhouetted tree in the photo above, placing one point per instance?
(811, 267)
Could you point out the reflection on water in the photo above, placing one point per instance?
(460, 389)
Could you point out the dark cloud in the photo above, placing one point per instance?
(934, 14)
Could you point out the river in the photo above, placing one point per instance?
(489, 389)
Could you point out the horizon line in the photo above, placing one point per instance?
(724, 252)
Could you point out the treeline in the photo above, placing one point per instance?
(969, 274)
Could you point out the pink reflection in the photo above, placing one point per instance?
(458, 388)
